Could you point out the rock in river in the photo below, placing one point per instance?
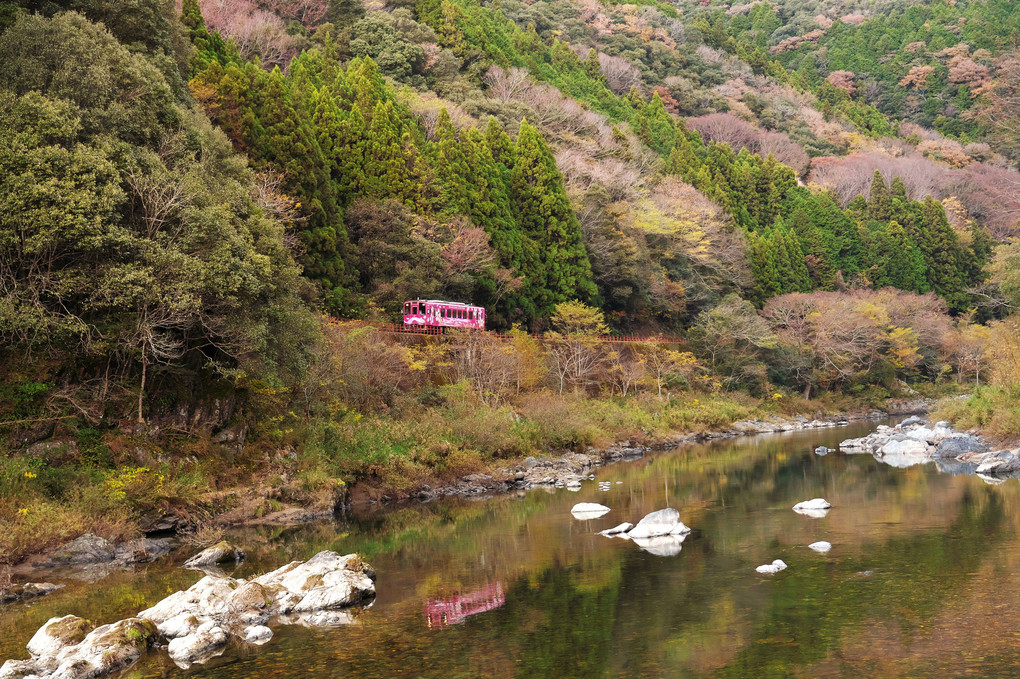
(820, 546)
(816, 503)
(958, 445)
(221, 552)
(1002, 462)
(816, 508)
(616, 530)
(29, 590)
(61, 648)
(663, 522)
(85, 549)
(774, 567)
(589, 510)
(198, 622)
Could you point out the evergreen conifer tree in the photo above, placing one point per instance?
(545, 215)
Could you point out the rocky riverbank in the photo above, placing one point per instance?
(570, 470)
(916, 441)
(90, 557)
(196, 624)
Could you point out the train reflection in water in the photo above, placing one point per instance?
(441, 613)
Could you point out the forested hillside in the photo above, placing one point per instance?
(394, 103)
(820, 198)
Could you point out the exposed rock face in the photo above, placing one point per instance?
(663, 522)
(199, 622)
(28, 590)
(61, 649)
(774, 567)
(221, 553)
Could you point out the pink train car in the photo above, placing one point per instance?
(438, 313)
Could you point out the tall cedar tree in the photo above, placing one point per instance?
(546, 216)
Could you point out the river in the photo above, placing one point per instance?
(923, 578)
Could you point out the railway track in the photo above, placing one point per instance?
(436, 331)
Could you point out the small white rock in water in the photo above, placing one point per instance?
(774, 567)
(663, 522)
(258, 634)
(817, 503)
(816, 508)
(589, 510)
(616, 530)
(820, 546)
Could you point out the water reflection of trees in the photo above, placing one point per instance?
(580, 605)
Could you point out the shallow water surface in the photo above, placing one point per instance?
(922, 579)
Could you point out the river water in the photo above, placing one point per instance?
(923, 579)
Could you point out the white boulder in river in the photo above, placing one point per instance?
(816, 503)
(816, 508)
(62, 648)
(774, 567)
(589, 510)
(663, 522)
(820, 546)
(199, 621)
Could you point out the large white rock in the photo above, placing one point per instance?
(905, 447)
(774, 567)
(199, 646)
(199, 621)
(221, 553)
(662, 522)
(820, 546)
(206, 598)
(921, 434)
(589, 510)
(181, 625)
(63, 652)
(56, 634)
(325, 581)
